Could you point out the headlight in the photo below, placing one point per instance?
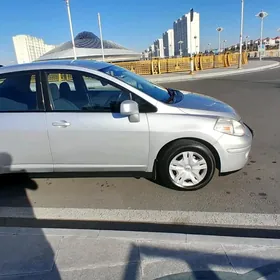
(229, 126)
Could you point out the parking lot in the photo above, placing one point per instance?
(255, 189)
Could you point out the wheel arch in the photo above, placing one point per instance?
(207, 144)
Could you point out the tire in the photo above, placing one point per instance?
(182, 165)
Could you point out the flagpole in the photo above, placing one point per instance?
(101, 37)
(71, 28)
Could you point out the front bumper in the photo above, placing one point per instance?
(234, 151)
(249, 128)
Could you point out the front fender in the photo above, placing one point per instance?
(167, 128)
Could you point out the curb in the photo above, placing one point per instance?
(141, 236)
(188, 77)
(194, 218)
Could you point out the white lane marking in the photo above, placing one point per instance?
(148, 216)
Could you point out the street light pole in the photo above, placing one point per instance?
(278, 42)
(261, 15)
(261, 42)
(247, 37)
(180, 47)
(224, 46)
(241, 35)
(190, 48)
(71, 28)
(219, 41)
(209, 47)
(219, 29)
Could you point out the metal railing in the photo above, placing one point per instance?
(182, 64)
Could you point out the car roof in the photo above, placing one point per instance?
(55, 64)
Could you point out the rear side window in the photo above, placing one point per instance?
(61, 79)
(19, 92)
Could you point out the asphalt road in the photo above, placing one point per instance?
(255, 189)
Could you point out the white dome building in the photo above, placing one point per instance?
(88, 46)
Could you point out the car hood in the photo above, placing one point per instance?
(195, 103)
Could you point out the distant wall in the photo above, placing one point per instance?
(268, 53)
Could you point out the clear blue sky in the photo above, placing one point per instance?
(134, 24)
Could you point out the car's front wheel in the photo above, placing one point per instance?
(186, 165)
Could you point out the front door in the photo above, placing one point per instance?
(87, 131)
(24, 142)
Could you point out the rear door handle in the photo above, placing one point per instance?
(62, 123)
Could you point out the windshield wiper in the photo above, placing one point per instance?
(172, 94)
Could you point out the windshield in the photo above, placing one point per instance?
(155, 91)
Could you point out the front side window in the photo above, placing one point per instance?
(77, 91)
(19, 92)
(155, 91)
(103, 95)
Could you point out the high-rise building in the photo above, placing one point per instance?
(152, 51)
(29, 48)
(168, 43)
(183, 42)
(159, 50)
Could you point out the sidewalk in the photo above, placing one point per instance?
(252, 66)
(52, 254)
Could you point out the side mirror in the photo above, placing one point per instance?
(130, 108)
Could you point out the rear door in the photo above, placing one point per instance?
(24, 143)
(87, 131)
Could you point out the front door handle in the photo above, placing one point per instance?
(62, 123)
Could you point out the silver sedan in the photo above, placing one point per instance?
(87, 116)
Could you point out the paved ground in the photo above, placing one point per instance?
(49, 254)
(253, 190)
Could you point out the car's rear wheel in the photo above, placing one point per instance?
(186, 165)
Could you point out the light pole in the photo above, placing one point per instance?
(71, 28)
(241, 35)
(219, 29)
(180, 47)
(209, 47)
(278, 42)
(224, 46)
(247, 37)
(261, 15)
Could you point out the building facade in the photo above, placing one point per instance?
(159, 50)
(152, 51)
(183, 43)
(168, 43)
(29, 48)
